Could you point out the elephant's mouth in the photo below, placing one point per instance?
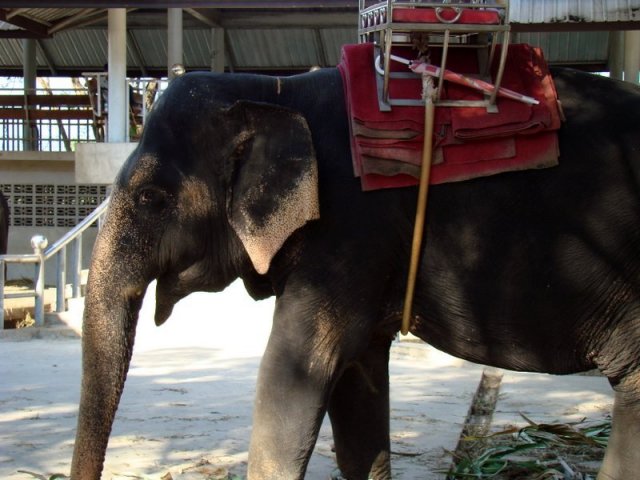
(162, 313)
(169, 290)
(173, 286)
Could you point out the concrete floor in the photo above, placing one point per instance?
(190, 390)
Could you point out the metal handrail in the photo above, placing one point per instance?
(77, 230)
(41, 255)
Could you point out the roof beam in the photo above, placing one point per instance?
(73, 20)
(256, 18)
(138, 57)
(240, 19)
(47, 57)
(209, 17)
(33, 28)
(230, 56)
(20, 34)
(322, 52)
(16, 11)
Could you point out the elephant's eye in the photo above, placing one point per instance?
(151, 197)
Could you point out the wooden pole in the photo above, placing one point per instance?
(421, 210)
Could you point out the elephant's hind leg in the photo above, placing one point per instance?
(622, 458)
(359, 412)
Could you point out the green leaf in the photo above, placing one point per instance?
(33, 474)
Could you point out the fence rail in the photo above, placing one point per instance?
(54, 120)
(41, 254)
(46, 119)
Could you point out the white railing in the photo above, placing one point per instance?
(39, 258)
(51, 119)
(45, 119)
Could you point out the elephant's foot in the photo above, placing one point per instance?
(622, 458)
(337, 475)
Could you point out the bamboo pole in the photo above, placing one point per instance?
(421, 210)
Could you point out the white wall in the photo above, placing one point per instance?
(37, 169)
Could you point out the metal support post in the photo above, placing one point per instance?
(61, 279)
(76, 262)
(39, 243)
(29, 75)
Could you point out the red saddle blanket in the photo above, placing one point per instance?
(468, 142)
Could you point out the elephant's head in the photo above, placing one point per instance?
(210, 194)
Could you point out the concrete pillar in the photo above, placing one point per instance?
(632, 56)
(174, 40)
(117, 101)
(30, 78)
(29, 63)
(616, 54)
(217, 50)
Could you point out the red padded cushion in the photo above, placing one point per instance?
(428, 15)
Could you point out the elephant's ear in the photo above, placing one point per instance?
(274, 184)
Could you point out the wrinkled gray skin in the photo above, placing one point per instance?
(251, 177)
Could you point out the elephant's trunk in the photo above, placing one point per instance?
(109, 324)
(107, 345)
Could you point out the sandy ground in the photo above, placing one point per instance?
(191, 387)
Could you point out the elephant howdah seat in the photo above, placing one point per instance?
(468, 141)
(445, 25)
(506, 121)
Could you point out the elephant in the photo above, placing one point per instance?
(249, 176)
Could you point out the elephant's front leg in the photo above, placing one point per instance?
(290, 404)
(359, 412)
(296, 375)
(622, 458)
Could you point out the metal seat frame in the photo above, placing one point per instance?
(376, 25)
